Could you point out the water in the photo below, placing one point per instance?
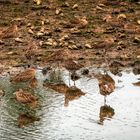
(79, 120)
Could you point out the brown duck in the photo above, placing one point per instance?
(10, 32)
(106, 84)
(72, 66)
(24, 76)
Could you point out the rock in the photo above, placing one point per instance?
(65, 4)
(121, 16)
(30, 31)
(40, 34)
(80, 22)
(99, 8)
(88, 46)
(58, 11)
(136, 39)
(75, 6)
(38, 2)
(1, 42)
(138, 21)
(64, 37)
(19, 40)
(51, 42)
(73, 47)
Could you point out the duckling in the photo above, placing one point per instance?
(24, 76)
(10, 32)
(25, 98)
(106, 84)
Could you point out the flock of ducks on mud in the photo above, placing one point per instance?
(106, 83)
(64, 59)
(28, 76)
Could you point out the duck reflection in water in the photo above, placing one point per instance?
(26, 98)
(58, 87)
(105, 112)
(70, 93)
(26, 119)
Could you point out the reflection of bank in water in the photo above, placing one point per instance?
(105, 112)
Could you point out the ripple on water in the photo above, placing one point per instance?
(80, 119)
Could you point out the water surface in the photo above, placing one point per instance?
(80, 119)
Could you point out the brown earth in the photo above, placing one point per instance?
(95, 31)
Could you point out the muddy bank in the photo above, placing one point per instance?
(95, 32)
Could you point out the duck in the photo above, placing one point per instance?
(25, 98)
(78, 22)
(59, 56)
(24, 76)
(72, 66)
(33, 83)
(106, 84)
(9, 32)
(31, 50)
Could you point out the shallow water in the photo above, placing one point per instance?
(79, 120)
